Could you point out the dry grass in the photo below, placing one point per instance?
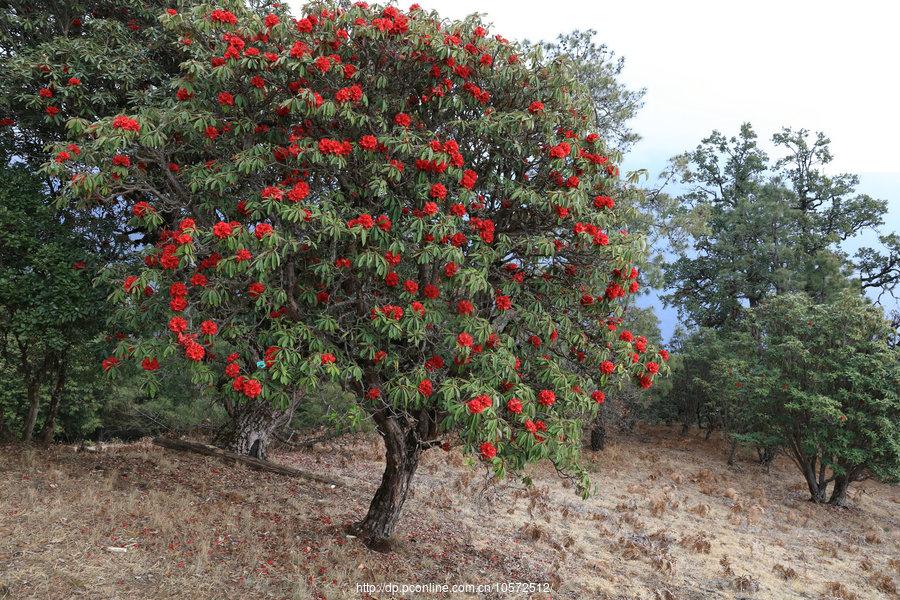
(668, 521)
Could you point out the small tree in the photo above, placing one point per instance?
(824, 382)
(409, 207)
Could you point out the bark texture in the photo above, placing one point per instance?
(253, 425)
(839, 493)
(598, 434)
(405, 439)
(33, 396)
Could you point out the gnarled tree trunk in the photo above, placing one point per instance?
(817, 484)
(813, 467)
(253, 425)
(765, 454)
(34, 378)
(732, 452)
(839, 493)
(404, 441)
(842, 483)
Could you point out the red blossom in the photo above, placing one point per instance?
(488, 451)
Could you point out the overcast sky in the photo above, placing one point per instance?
(821, 65)
(712, 64)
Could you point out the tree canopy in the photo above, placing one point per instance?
(769, 227)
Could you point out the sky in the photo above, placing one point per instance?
(821, 65)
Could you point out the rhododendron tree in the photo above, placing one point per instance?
(369, 196)
(81, 58)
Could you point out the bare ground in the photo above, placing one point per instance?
(669, 521)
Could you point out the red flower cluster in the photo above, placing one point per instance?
(390, 311)
(368, 142)
(327, 146)
(479, 404)
(353, 93)
(464, 339)
(488, 451)
(126, 123)
(364, 220)
(223, 16)
(262, 230)
(604, 202)
(256, 289)
(560, 150)
(546, 397)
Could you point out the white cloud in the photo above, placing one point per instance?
(712, 64)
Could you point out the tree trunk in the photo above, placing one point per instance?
(253, 426)
(49, 429)
(33, 395)
(598, 434)
(5, 433)
(766, 454)
(816, 491)
(732, 452)
(839, 493)
(402, 450)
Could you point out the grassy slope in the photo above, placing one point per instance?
(670, 521)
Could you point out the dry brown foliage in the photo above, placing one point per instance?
(668, 521)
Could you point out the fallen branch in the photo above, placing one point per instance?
(308, 443)
(254, 463)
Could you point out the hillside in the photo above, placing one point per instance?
(670, 521)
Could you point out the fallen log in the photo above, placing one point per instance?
(308, 443)
(253, 463)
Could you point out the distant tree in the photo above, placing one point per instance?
(689, 398)
(48, 306)
(821, 380)
(597, 68)
(769, 227)
(879, 268)
(409, 207)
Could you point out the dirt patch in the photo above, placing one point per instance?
(668, 520)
